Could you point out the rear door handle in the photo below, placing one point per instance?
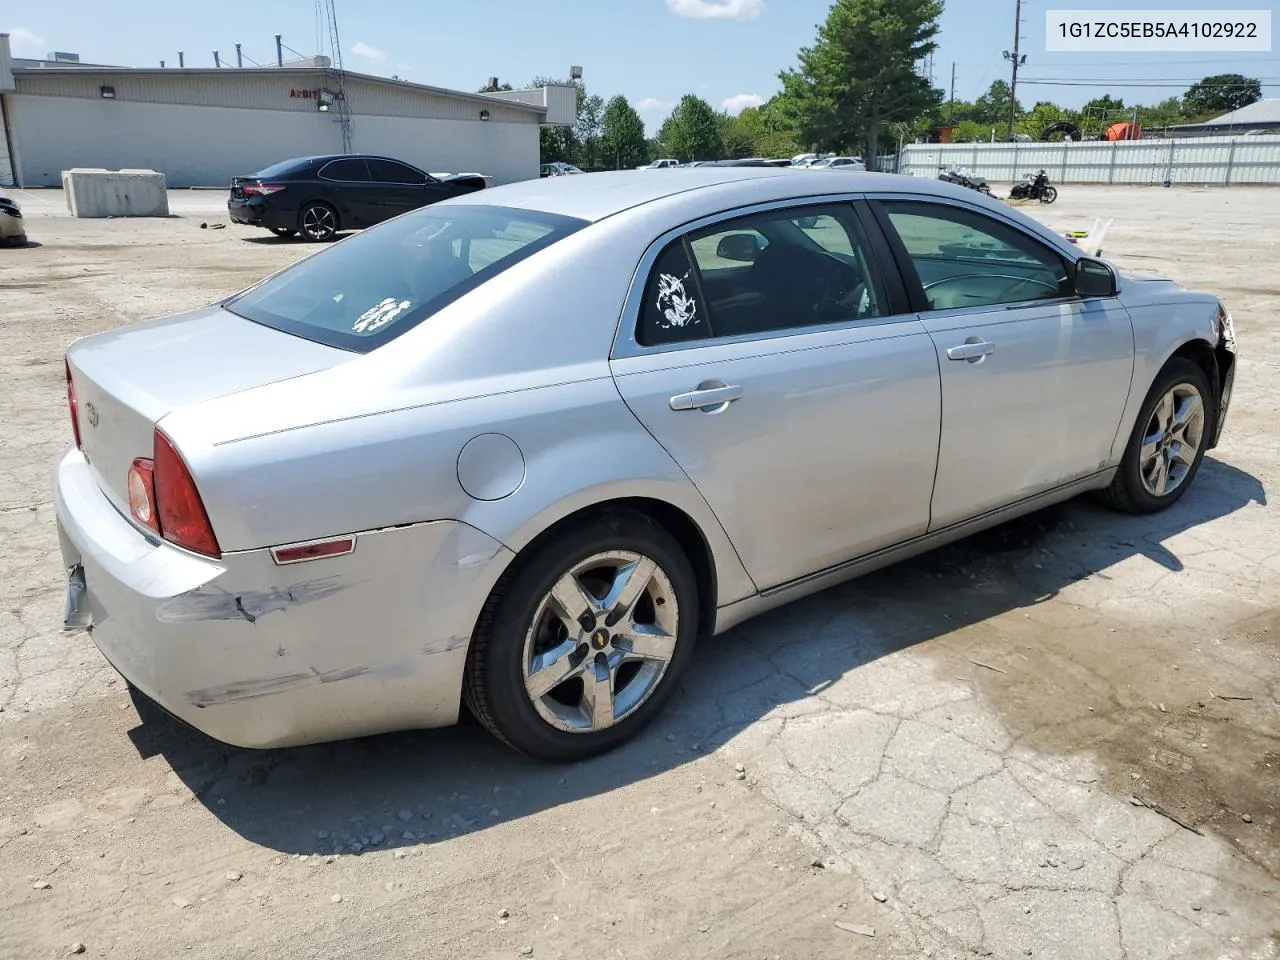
(701, 399)
(971, 350)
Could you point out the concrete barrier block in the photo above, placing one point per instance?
(94, 192)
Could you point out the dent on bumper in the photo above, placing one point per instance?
(260, 655)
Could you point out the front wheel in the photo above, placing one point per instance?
(1167, 445)
(318, 222)
(584, 641)
(1049, 195)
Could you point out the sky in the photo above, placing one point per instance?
(729, 52)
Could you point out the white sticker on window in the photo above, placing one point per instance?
(678, 309)
(379, 315)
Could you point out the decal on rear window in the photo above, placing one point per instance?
(675, 306)
(379, 315)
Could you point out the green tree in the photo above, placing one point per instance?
(992, 108)
(860, 74)
(622, 139)
(692, 131)
(489, 88)
(587, 131)
(1216, 95)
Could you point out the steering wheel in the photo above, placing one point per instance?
(1014, 282)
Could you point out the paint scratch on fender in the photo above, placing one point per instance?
(268, 686)
(251, 606)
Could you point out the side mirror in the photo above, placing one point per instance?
(740, 247)
(1093, 278)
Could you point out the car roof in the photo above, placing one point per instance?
(605, 194)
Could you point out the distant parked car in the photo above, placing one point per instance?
(838, 163)
(558, 170)
(664, 164)
(319, 197)
(13, 231)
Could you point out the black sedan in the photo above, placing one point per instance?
(317, 197)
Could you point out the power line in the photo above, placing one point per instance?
(1141, 83)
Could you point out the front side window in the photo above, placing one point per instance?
(351, 170)
(766, 272)
(966, 259)
(373, 286)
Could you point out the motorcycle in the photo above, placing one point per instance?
(1035, 186)
(963, 178)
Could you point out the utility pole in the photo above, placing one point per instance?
(239, 58)
(181, 62)
(951, 108)
(217, 61)
(1017, 60)
(279, 52)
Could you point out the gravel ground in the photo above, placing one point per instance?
(1060, 739)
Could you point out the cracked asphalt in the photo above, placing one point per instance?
(1059, 739)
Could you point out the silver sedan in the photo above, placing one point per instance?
(521, 449)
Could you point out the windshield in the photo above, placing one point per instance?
(372, 287)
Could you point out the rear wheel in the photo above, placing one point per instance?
(583, 642)
(318, 222)
(1168, 441)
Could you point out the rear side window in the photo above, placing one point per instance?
(373, 286)
(674, 309)
(389, 171)
(351, 170)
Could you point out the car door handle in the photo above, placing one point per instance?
(701, 399)
(974, 349)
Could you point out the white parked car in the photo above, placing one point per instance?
(13, 231)
(664, 164)
(838, 163)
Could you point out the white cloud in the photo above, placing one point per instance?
(652, 105)
(362, 49)
(716, 9)
(23, 40)
(736, 104)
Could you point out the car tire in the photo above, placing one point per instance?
(283, 232)
(318, 222)
(1154, 472)
(614, 683)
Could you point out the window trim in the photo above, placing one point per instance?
(320, 175)
(907, 268)
(626, 344)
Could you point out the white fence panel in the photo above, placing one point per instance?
(1204, 160)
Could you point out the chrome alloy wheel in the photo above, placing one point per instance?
(318, 222)
(601, 641)
(1172, 440)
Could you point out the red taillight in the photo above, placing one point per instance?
(142, 493)
(183, 520)
(261, 189)
(71, 402)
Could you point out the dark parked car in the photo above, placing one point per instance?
(318, 197)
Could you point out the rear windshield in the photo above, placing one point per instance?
(281, 168)
(372, 287)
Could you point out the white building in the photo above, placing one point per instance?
(203, 126)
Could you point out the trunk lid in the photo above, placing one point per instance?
(127, 380)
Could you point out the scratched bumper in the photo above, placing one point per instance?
(259, 655)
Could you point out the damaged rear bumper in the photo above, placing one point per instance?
(260, 655)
